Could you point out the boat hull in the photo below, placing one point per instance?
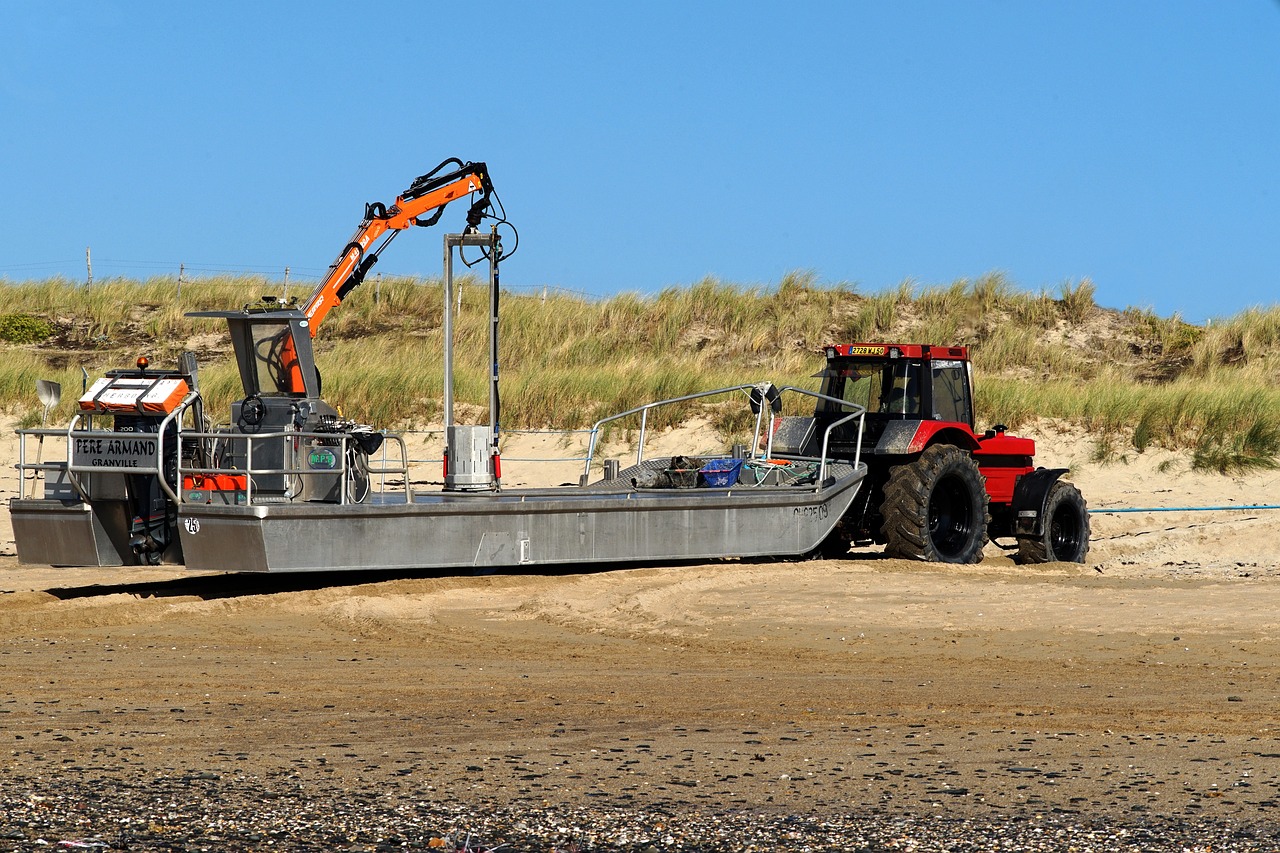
(516, 528)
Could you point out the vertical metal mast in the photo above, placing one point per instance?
(448, 330)
(495, 404)
(471, 451)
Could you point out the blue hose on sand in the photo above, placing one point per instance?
(1186, 508)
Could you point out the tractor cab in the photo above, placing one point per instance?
(895, 383)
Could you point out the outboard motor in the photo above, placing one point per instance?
(131, 460)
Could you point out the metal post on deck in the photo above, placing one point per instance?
(448, 329)
(459, 441)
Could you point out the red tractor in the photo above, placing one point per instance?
(936, 490)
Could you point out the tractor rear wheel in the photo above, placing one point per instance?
(935, 508)
(1065, 533)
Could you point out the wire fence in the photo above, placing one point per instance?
(185, 274)
(566, 449)
(565, 436)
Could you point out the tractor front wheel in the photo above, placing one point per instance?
(935, 508)
(1064, 535)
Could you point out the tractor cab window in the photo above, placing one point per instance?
(951, 392)
(902, 389)
(890, 387)
(856, 384)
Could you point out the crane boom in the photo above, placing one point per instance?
(427, 193)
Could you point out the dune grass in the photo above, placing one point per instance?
(1134, 379)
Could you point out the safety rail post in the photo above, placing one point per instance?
(248, 471)
(177, 412)
(755, 436)
(71, 472)
(403, 470)
(22, 464)
(342, 473)
(644, 424)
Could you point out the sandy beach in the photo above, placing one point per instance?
(1136, 693)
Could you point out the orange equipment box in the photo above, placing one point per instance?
(227, 489)
(134, 395)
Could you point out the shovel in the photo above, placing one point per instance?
(50, 394)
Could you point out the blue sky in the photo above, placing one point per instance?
(642, 146)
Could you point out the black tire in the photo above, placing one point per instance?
(1065, 537)
(935, 508)
(836, 546)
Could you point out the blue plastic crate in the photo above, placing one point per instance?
(720, 473)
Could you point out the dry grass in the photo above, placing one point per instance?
(1136, 379)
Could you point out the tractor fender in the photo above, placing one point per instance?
(903, 438)
(1029, 497)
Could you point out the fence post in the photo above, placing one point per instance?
(88, 264)
(286, 284)
(181, 269)
(377, 289)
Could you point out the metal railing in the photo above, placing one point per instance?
(340, 442)
(860, 414)
(31, 471)
(74, 469)
(762, 395)
(337, 441)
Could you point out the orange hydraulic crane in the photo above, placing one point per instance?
(427, 193)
